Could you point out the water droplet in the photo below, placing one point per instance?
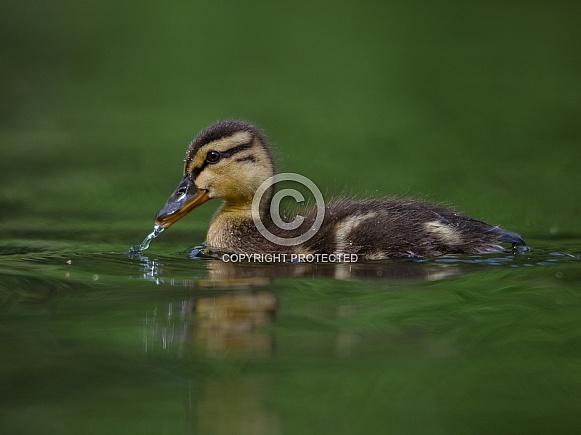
(136, 249)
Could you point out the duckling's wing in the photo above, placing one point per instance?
(395, 228)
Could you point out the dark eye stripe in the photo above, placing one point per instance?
(236, 149)
(247, 159)
(224, 154)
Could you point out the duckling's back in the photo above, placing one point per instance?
(403, 228)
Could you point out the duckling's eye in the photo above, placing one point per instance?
(213, 157)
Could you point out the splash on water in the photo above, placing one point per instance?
(137, 249)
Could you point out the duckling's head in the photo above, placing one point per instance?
(228, 160)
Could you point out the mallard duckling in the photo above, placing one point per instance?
(230, 160)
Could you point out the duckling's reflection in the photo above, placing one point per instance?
(221, 274)
(238, 405)
(233, 321)
(229, 323)
(221, 325)
(226, 274)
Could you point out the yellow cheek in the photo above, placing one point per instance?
(203, 181)
(220, 181)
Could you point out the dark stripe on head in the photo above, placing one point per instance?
(223, 129)
(236, 149)
(224, 155)
(247, 159)
(220, 130)
(196, 171)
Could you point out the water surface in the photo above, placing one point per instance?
(169, 344)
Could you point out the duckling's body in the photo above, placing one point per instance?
(230, 160)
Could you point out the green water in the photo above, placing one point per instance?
(473, 105)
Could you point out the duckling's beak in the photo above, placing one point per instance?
(183, 200)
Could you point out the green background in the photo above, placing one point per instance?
(475, 104)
